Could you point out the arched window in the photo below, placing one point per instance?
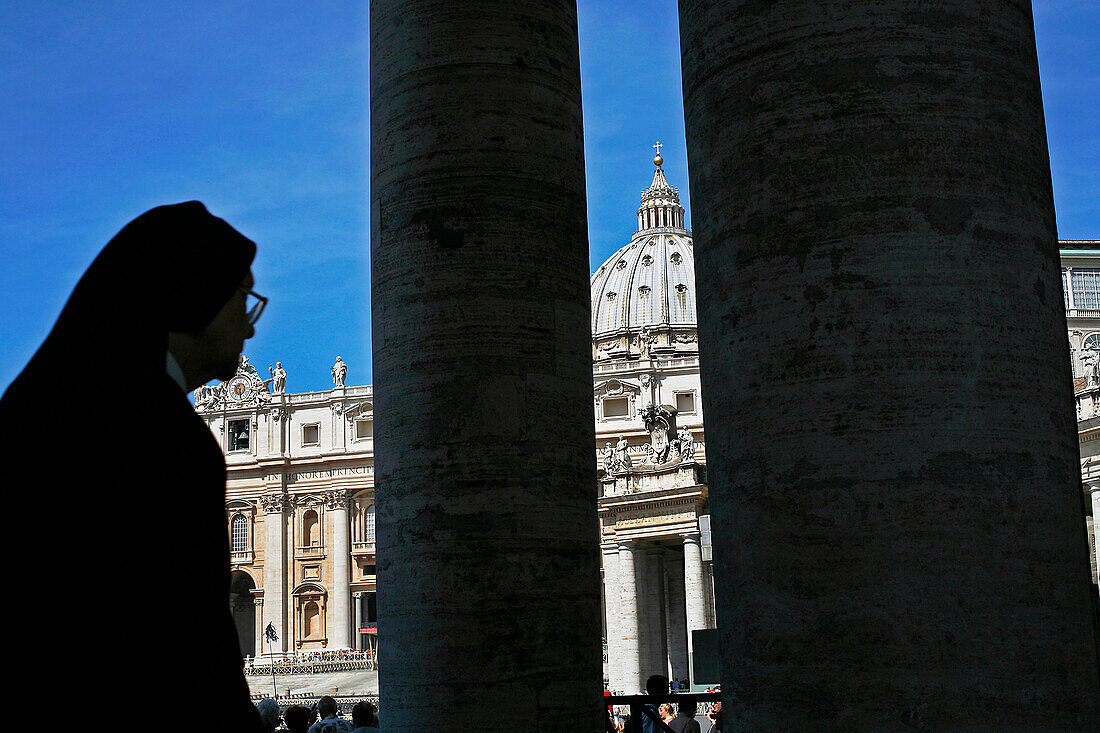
(311, 529)
(368, 524)
(238, 533)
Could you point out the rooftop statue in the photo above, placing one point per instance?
(339, 372)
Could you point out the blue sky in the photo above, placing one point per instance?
(260, 110)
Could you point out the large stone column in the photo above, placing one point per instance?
(339, 626)
(629, 644)
(891, 445)
(488, 538)
(275, 508)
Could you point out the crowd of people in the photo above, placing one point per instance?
(321, 655)
(664, 717)
(321, 717)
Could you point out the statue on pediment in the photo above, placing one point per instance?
(207, 396)
(278, 377)
(622, 457)
(1090, 358)
(684, 445)
(339, 372)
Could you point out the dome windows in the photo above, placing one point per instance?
(620, 264)
(643, 290)
(647, 260)
(676, 258)
(681, 288)
(611, 296)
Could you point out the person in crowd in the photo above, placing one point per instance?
(297, 718)
(329, 721)
(649, 721)
(685, 721)
(665, 711)
(269, 714)
(715, 718)
(160, 311)
(365, 718)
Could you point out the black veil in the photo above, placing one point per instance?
(123, 485)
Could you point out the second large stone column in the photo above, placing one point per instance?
(488, 548)
(891, 445)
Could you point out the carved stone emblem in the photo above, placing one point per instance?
(659, 421)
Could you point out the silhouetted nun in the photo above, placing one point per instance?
(119, 574)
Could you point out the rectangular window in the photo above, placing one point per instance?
(1086, 289)
(238, 434)
(311, 434)
(364, 429)
(1065, 288)
(616, 407)
(685, 402)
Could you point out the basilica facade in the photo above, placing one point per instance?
(300, 488)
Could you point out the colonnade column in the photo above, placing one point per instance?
(275, 508)
(356, 637)
(1094, 496)
(676, 626)
(339, 627)
(695, 611)
(488, 579)
(258, 630)
(873, 213)
(655, 601)
(612, 613)
(629, 643)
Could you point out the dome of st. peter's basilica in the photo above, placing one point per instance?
(643, 296)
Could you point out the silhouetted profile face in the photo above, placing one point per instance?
(215, 351)
(226, 334)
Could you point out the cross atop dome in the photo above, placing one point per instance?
(660, 202)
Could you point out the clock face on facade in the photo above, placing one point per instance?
(239, 389)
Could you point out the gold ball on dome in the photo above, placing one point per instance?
(658, 161)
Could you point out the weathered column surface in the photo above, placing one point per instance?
(488, 545)
(891, 444)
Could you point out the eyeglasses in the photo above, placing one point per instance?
(255, 303)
